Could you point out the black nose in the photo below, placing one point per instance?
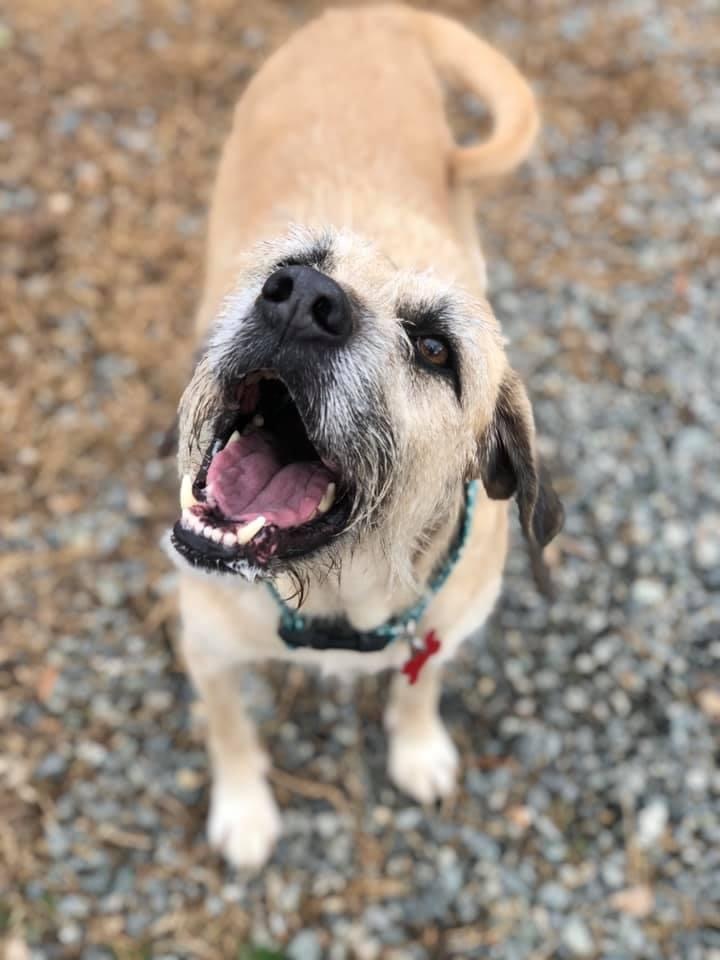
(307, 304)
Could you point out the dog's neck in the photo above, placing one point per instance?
(368, 591)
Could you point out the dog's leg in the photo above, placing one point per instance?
(244, 822)
(422, 759)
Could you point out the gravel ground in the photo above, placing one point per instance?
(588, 821)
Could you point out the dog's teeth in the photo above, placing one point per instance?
(234, 437)
(327, 500)
(216, 536)
(187, 498)
(186, 519)
(247, 532)
(229, 539)
(208, 531)
(258, 420)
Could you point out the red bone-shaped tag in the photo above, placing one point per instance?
(413, 666)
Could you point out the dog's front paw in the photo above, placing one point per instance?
(423, 763)
(244, 822)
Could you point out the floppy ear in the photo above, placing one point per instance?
(510, 466)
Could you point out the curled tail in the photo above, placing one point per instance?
(469, 61)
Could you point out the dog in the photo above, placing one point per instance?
(352, 433)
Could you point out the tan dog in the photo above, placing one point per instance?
(352, 381)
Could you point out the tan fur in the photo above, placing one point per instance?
(344, 128)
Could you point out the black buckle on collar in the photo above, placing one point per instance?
(326, 634)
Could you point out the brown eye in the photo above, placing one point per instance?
(433, 351)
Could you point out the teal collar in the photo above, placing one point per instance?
(325, 633)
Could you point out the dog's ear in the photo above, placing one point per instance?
(510, 466)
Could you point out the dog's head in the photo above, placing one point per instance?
(343, 401)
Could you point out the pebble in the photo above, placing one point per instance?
(577, 939)
(408, 819)
(554, 897)
(576, 699)
(74, 906)
(305, 945)
(136, 924)
(96, 883)
(253, 38)
(648, 593)
(706, 548)
(651, 823)
(51, 767)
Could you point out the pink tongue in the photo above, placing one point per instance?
(246, 480)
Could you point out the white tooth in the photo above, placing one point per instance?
(246, 533)
(258, 420)
(187, 498)
(229, 539)
(217, 535)
(196, 523)
(327, 500)
(208, 531)
(234, 437)
(186, 519)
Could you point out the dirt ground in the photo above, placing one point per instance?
(111, 119)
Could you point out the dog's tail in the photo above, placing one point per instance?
(466, 59)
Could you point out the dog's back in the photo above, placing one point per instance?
(368, 135)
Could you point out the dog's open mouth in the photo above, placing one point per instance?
(263, 491)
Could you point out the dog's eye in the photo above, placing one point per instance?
(433, 350)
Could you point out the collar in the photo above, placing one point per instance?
(336, 633)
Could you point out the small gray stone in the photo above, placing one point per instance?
(73, 906)
(124, 880)
(51, 767)
(648, 592)
(409, 818)
(706, 548)
(480, 845)
(651, 823)
(69, 934)
(97, 882)
(451, 878)
(576, 699)
(58, 840)
(253, 38)
(305, 945)
(474, 107)
(136, 924)
(576, 938)
(554, 897)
